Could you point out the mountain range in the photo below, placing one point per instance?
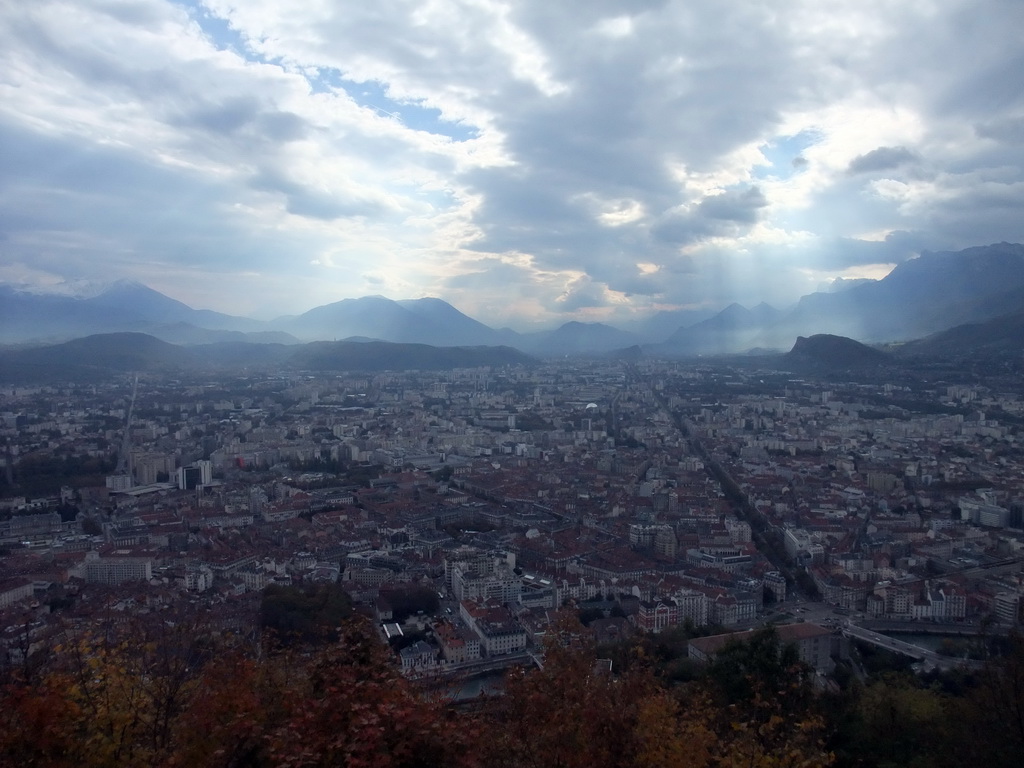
(919, 298)
(1001, 334)
(125, 306)
(97, 356)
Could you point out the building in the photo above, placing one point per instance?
(775, 583)
(116, 570)
(1006, 607)
(14, 591)
(498, 630)
(498, 638)
(194, 475)
(729, 560)
(418, 657)
(458, 645)
(657, 615)
(150, 468)
(681, 606)
(473, 560)
(813, 644)
(478, 576)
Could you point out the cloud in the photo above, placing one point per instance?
(717, 215)
(740, 207)
(582, 293)
(302, 200)
(484, 150)
(881, 159)
(1009, 130)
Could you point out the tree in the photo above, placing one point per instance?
(124, 689)
(304, 613)
(756, 664)
(995, 708)
(107, 690)
(896, 722)
(172, 694)
(762, 693)
(38, 724)
(571, 714)
(409, 599)
(236, 702)
(355, 709)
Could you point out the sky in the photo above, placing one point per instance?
(530, 161)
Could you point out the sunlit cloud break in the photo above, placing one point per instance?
(528, 162)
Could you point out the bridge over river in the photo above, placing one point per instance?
(894, 645)
(933, 628)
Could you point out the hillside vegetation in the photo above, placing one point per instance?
(180, 694)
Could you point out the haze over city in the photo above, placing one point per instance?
(529, 162)
(511, 384)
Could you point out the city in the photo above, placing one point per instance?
(661, 494)
(488, 384)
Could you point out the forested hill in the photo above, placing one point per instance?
(180, 693)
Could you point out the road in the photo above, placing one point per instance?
(907, 649)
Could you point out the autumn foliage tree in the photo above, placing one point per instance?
(175, 700)
(37, 724)
(174, 694)
(986, 725)
(356, 709)
(574, 714)
(764, 705)
(122, 692)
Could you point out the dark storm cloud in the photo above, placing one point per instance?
(881, 159)
(680, 228)
(694, 82)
